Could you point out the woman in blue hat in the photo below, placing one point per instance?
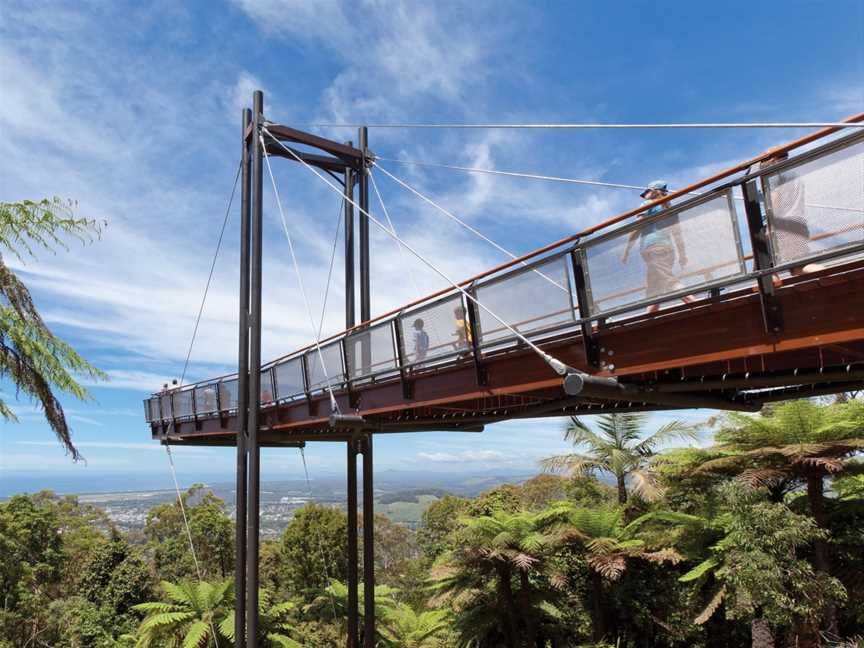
(658, 241)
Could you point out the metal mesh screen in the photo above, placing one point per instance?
(228, 394)
(817, 205)
(266, 395)
(530, 301)
(332, 357)
(289, 378)
(148, 413)
(370, 352)
(205, 399)
(444, 326)
(167, 410)
(667, 253)
(183, 403)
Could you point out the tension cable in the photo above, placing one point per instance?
(465, 225)
(333, 404)
(556, 365)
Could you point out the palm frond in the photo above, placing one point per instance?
(165, 619)
(226, 626)
(699, 570)
(672, 431)
(645, 485)
(712, 606)
(197, 635)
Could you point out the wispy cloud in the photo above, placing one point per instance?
(468, 456)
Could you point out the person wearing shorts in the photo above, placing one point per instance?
(658, 242)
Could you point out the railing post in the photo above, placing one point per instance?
(343, 345)
(589, 343)
(474, 332)
(772, 313)
(307, 383)
(400, 357)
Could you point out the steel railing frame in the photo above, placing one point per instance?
(581, 303)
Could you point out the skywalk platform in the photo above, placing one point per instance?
(718, 329)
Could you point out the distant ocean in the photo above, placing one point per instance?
(11, 484)
(460, 482)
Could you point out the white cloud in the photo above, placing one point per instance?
(240, 96)
(467, 456)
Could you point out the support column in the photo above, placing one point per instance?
(363, 181)
(351, 473)
(242, 399)
(350, 301)
(256, 249)
(368, 546)
(353, 617)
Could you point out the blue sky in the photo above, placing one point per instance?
(132, 109)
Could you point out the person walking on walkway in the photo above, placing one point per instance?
(791, 232)
(659, 238)
(421, 341)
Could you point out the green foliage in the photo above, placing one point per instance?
(37, 361)
(403, 627)
(188, 616)
(275, 630)
(114, 577)
(785, 445)
(212, 534)
(312, 549)
(438, 522)
(500, 568)
(715, 561)
(759, 565)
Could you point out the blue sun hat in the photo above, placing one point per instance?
(657, 185)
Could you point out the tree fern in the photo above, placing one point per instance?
(36, 360)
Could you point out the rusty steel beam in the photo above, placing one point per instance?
(754, 381)
(576, 384)
(351, 155)
(326, 162)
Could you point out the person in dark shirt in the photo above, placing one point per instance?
(421, 341)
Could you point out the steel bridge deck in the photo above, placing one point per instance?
(712, 353)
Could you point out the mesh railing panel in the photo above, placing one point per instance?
(332, 356)
(445, 328)
(266, 395)
(530, 301)
(148, 411)
(183, 403)
(205, 399)
(289, 378)
(228, 394)
(708, 234)
(816, 206)
(376, 344)
(167, 410)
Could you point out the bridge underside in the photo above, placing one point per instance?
(714, 353)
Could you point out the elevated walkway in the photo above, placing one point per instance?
(710, 327)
